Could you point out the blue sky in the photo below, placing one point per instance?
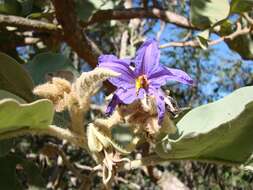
(221, 58)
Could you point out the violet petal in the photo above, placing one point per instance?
(147, 58)
(164, 74)
(160, 104)
(127, 96)
(112, 105)
(126, 79)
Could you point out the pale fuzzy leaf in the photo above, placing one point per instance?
(93, 143)
(88, 82)
(218, 132)
(57, 90)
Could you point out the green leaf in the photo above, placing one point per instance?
(5, 94)
(202, 38)
(85, 8)
(207, 13)
(243, 45)
(46, 63)
(6, 145)
(14, 78)
(240, 6)
(38, 114)
(219, 131)
(9, 179)
(11, 7)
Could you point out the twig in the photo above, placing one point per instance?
(120, 179)
(194, 43)
(85, 179)
(126, 14)
(123, 44)
(159, 33)
(77, 120)
(99, 16)
(65, 160)
(54, 131)
(73, 33)
(248, 18)
(8, 20)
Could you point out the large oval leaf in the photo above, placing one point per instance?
(13, 115)
(207, 13)
(6, 145)
(14, 78)
(46, 63)
(219, 131)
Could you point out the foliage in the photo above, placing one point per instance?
(49, 50)
(223, 132)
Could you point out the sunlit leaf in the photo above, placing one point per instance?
(6, 145)
(38, 114)
(207, 13)
(202, 38)
(219, 131)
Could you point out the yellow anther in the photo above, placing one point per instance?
(141, 82)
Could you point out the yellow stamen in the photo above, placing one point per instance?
(141, 82)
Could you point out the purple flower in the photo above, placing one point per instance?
(145, 78)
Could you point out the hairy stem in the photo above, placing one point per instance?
(77, 120)
(52, 130)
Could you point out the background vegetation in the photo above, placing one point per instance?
(209, 40)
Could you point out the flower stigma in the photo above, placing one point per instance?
(141, 82)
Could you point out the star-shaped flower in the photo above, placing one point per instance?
(146, 78)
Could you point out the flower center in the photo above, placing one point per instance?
(141, 82)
